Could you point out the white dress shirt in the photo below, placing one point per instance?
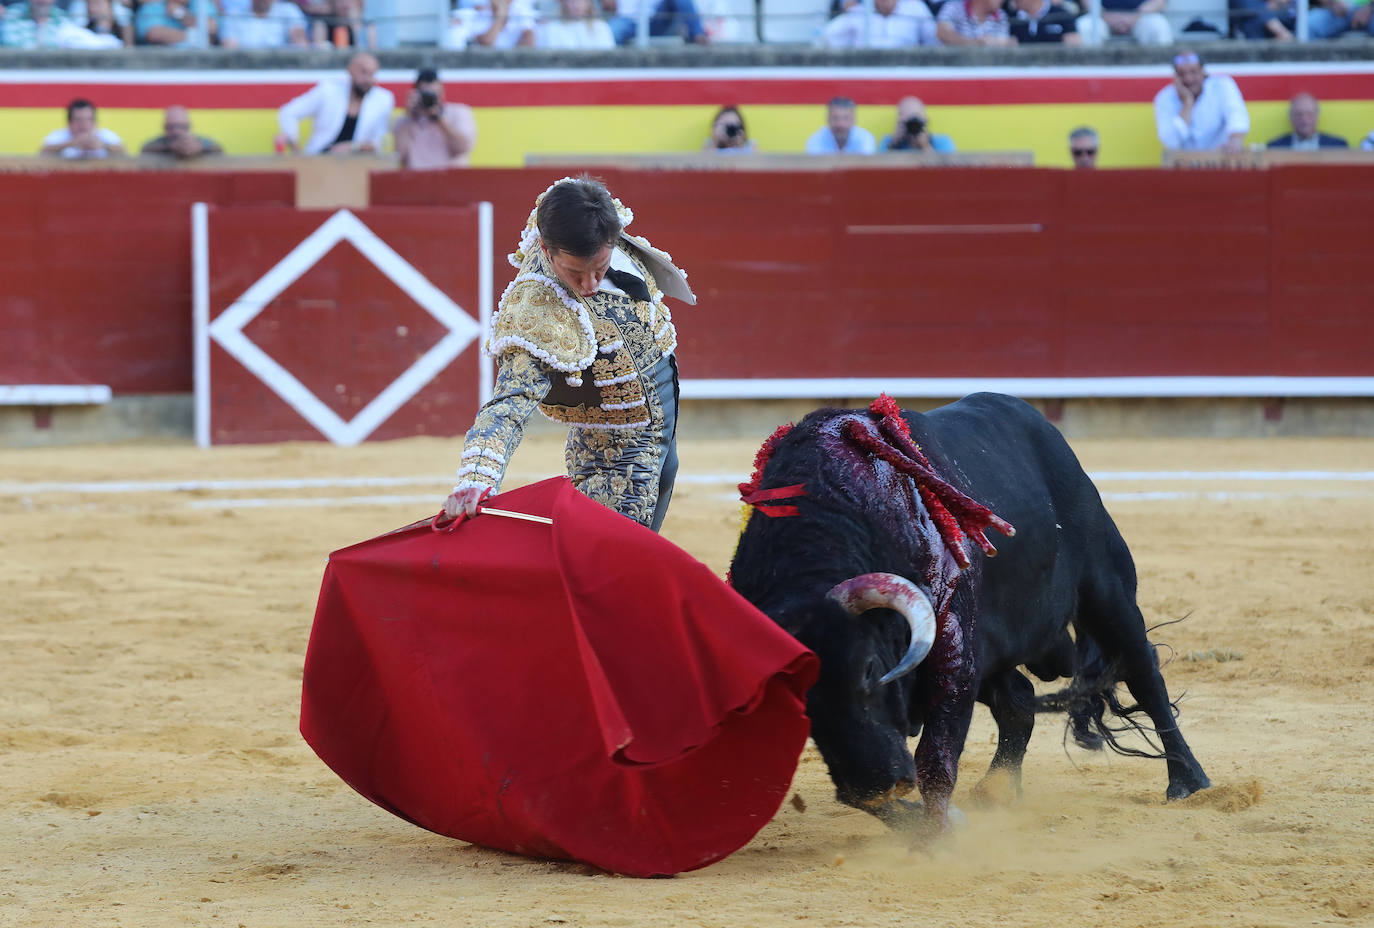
(327, 104)
(1218, 113)
(909, 25)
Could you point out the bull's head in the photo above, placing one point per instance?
(859, 707)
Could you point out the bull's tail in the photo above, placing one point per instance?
(1088, 699)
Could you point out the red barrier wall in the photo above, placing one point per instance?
(867, 273)
(95, 273)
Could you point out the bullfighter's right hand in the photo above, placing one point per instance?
(465, 501)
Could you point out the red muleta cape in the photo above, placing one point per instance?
(585, 690)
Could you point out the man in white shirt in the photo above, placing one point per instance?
(839, 135)
(1198, 111)
(82, 138)
(492, 23)
(266, 24)
(891, 25)
(350, 113)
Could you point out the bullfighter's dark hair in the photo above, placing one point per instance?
(578, 217)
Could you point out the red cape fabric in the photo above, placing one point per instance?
(584, 691)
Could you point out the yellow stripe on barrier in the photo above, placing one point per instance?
(507, 134)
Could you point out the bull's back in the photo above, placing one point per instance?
(1003, 453)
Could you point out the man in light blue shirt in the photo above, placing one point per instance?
(1198, 111)
(840, 136)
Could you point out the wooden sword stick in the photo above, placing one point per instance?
(514, 515)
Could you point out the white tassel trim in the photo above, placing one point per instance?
(483, 453)
(620, 406)
(478, 469)
(472, 485)
(612, 347)
(573, 381)
(614, 380)
(497, 347)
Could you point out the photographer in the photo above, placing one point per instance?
(912, 132)
(728, 134)
(433, 134)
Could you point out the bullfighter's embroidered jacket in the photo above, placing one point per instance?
(597, 364)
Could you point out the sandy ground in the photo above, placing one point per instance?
(151, 773)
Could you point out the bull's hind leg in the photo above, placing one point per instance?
(1116, 625)
(1011, 699)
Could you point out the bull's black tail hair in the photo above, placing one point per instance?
(1089, 696)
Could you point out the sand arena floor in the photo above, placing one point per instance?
(151, 773)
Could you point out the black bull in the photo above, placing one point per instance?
(863, 546)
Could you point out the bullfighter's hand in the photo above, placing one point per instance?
(465, 501)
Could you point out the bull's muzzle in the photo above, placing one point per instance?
(889, 591)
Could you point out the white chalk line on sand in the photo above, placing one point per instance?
(18, 488)
(26, 489)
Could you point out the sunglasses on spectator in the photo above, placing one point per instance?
(1083, 152)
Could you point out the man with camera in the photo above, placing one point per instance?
(433, 134)
(912, 132)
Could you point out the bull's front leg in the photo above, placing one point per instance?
(949, 711)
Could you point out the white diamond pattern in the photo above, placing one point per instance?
(343, 226)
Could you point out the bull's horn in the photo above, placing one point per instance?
(889, 591)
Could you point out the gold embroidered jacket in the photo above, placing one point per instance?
(586, 362)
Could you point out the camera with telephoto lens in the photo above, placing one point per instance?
(733, 130)
(428, 99)
(915, 125)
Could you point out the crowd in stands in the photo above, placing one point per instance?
(603, 24)
(350, 113)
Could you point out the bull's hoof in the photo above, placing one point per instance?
(1183, 788)
(1000, 787)
(901, 814)
(910, 818)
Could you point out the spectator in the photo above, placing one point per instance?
(1142, 20)
(343, 26)
(177, 140)
(729, 136)
(172, 23)
(839, 135)
(578, 26)
(492, 23)
(35, 24)
(1040, 21)
(1083, 148)
(1303, 113)
(972, 22)
(912, 132)
(1264, 19)
(668, 18)
(82, 138)
(349, 113)
(1327, 19)
(1367, 143)
(97, 24)
(432, 133)
(1198, 111)
(891, 25)
(266, 24)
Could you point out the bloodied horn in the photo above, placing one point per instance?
(889, 591)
